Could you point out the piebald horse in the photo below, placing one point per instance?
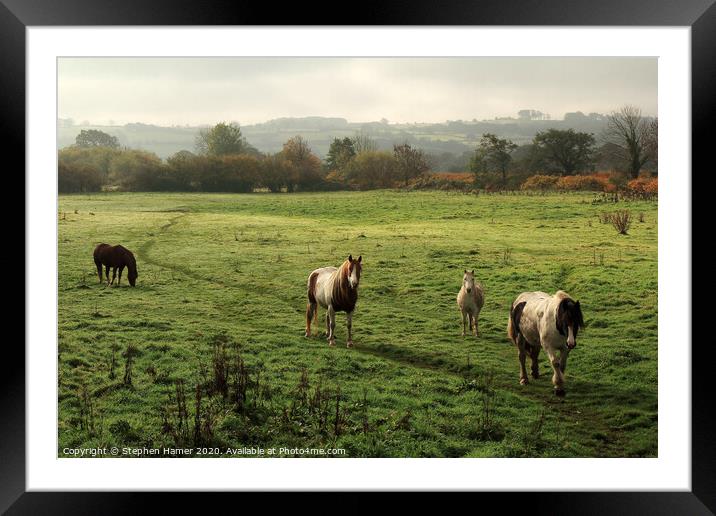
(538, 320)
(335, 289)
(115, 257)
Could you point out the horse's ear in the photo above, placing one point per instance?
(472, 271)
(350, 257)
(360, 258)
(465, 271)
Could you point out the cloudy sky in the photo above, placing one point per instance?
(194, 91)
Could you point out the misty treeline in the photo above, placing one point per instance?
(223, 161)
(627, 147)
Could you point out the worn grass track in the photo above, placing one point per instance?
(232, 268)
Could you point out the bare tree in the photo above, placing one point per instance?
(628, 132)
(411, 162)
(362, 142)
(652, 142)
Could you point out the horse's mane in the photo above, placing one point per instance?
(567, 307)
(343, 296)
(128, 255)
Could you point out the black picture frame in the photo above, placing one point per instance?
(700, 15)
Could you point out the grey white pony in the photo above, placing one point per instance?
(538, 320)
(470, 300)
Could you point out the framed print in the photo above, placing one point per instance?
(326, 257)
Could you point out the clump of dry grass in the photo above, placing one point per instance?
(621, 220)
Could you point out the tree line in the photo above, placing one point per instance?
(628, 144)
(223, 161)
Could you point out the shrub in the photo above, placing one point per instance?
(643, 187)
(540, 182)
(582, 183)
(372, 169)
(78, 178)
(442, 181)
(599, 182)
(621, 220)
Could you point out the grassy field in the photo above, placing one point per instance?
(213, 332)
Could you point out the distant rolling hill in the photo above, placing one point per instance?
(454, 137)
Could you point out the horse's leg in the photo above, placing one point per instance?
(522, 354)
(349, 324)
(114, 274)
(557, 377)
(119, 279)
(99, 269)
(106, 273)
(331, 326)
(563, 360)
(464, 321)
(474, 324)
(534, 355)
(310, 312)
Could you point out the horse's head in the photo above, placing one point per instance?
(569, 320)
(468, 280)
(354, 270)
(132, 269)
(133, 275)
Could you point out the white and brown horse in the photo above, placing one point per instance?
(470, 300)
(335, 289)
(538, 320)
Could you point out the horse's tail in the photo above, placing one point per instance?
(312, 287)
(513, 324)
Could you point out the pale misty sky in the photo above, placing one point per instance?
(194, 91)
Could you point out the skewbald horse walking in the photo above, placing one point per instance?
(116, 257)
(337, 290)
(550, 322)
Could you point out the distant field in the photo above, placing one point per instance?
(222, 279)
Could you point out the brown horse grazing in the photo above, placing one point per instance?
(116, 257)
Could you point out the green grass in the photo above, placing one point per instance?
(230, 271)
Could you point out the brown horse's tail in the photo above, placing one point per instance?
(513, 324)
(312, 288)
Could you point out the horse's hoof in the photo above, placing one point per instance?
(524, 381)
(307, 335)
(349, 344)
(535, 375)
(331, 343)
(560, 392)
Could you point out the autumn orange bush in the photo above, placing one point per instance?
(540, 182)
(595, 182)
(580, 183)
(644, 187)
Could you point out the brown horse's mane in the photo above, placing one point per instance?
(344, 297)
